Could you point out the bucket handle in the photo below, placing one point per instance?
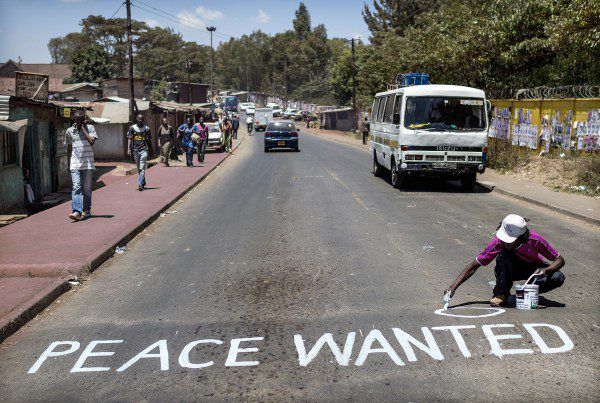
(535, 273)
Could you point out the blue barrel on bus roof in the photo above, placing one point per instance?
(408, 79)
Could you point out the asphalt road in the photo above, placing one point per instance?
(283, 248)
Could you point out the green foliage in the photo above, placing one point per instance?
(394, 16)
(302, 22)
(490, 44)
(159, 91)
(89, 64)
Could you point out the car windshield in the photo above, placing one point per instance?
(281, 127)
(214, 129)
(444, 113)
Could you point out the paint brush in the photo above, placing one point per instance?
(447, 298)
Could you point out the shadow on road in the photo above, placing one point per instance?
(435, 185)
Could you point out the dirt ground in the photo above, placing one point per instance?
(575, 175)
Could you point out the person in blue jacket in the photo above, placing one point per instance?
(185, 132)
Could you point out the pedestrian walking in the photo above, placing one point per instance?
(165, 141)
(185, 133)
(138, 138)
(80, 139)
(307, 120)
(227, 129)
(235, 125)
(365, 126)
(519, 253)
(202, 130)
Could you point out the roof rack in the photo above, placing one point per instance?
(409, 79)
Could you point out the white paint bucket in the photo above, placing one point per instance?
(527, 294)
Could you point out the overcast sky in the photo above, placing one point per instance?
(27, 25)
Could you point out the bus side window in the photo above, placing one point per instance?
(381, 109)
(389, 108)
(397, 106)
(375, 109)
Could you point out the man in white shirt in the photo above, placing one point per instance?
(80, 138)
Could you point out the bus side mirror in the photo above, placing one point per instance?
(396, 118)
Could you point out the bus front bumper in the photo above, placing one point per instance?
(443, 169)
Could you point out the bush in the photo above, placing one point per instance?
(504, 157)
(588, 172)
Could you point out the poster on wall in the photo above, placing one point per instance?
(588, 132)
(524, 133)
(500, 126)
(558, 130)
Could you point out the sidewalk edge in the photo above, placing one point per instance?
(37, 304)
(95, 262)
(48, 295)
(493, 188)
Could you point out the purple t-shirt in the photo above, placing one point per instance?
(535, 250)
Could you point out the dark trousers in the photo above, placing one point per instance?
(510, 268)
(235, 133)
(365, 136)
(201, 150)
(189, 154)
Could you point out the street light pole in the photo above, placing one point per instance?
(212, 94)
(354, 111)
(130, 51)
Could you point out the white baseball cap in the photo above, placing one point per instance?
(511, 228)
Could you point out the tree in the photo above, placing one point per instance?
(302, 22)
(159, 91)
(62, 48)
(574, 35)
(89, 64)
(394, 15)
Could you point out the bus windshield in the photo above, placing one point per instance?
(444, 113)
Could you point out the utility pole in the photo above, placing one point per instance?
(247, 81)
(130, 51)
(189, 81)
(285, 89)
(354, 111)
(212, 94)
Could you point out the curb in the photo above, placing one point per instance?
(493, 188)
(47, 296)
(94, 263)
(40, 301)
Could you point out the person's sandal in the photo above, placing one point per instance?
(498, 300)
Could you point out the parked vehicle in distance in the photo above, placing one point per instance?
(262, 118)
(430, 130)
(290, 112)
(250, 111)
(216, 138)
(281, 134)
(243, 106)
(277, 111)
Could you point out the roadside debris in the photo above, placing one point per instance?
(74, 282)
(121, 249)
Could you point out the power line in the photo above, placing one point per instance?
(118, 9)
(179, 19)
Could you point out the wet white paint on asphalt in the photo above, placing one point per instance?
(375, 342)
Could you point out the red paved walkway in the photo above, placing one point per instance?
(48, 244)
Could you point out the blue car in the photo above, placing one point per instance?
(281, 134)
